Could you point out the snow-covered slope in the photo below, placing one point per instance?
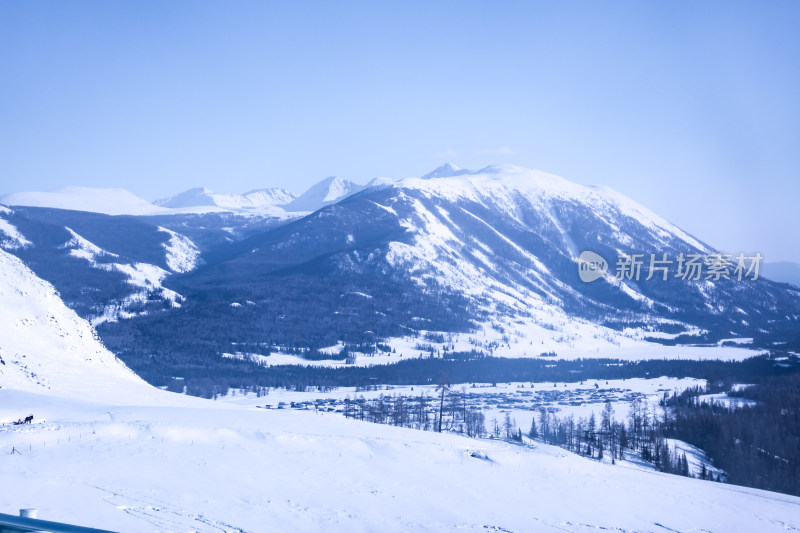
(326, 192)
(270, 196)
(448, 170)
(182, 253)
(260, 200)
(149, 469)
(502, 186)
(10, 236)
(122, 202)
(145, 280)
(108, 201)
(502, 232)
(510, 238)
(45, 346)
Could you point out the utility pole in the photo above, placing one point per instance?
(444, 388)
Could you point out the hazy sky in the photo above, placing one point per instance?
(689, 108)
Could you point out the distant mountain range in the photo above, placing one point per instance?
(200, 200)
(202, 197)
(783, 271)
(107, 201)
(457, 261)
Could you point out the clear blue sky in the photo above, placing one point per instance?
(689, 108)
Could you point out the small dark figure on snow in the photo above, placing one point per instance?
(28, 419)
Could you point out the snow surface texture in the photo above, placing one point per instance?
(518, 399)
(182, 254)
(221, 468)
(499, 184)
(45, 346)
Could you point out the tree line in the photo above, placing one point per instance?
(607, 439)
(198, 377)
(753, 445)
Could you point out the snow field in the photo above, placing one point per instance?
(231, 468)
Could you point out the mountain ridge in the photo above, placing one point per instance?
(482, 262)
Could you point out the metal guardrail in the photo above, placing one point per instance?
(27, 521)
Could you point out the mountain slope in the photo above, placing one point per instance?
(509, 240)
(45, 346)
(326, 192)
(104, 267)
(112, 267)
(484, 261)
(457, 261)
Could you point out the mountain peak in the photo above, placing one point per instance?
(448, 170)
(328, 191)
(196, 196)
(204, 197)
(504, 168)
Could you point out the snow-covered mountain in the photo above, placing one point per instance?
(270, 196)
(259, 199)
(93, 200)
(484, 260)
(45, 346)
(271, 200)
(448, 170)
(105, 267)
(326, 192)
(263, 202)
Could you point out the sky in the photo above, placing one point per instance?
(689, 108)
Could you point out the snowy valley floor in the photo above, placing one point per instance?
(194, 465)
